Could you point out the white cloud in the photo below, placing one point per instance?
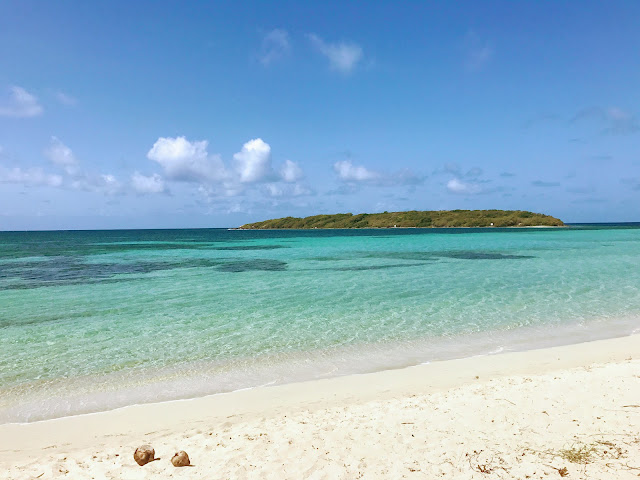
(290, 171)
(275, 46)
(66, 100)
(299, 190)
(143, 184)
(101, 183)
(456, 185)
(250, 173)
(21, 104)
(354, 173)
(61, 156)
(287, 190)
(274, 190)
(253, 162)
(186, 161)
(30, 176)
(342, 56)
(350, 173)
(108, 183)
(74, 178)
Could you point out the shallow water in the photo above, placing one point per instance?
(100, 319)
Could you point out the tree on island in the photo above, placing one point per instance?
(414, 219)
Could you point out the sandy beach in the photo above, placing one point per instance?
(571, 411)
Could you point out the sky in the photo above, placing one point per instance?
(171, 114)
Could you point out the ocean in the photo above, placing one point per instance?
(96, 320)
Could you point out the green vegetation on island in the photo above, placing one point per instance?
(414, 219)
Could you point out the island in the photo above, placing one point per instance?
(413, 219)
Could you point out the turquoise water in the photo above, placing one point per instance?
(100, 319)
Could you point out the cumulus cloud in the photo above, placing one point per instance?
(290, 171)
(250, 171)
(186, 161)
(30, 177)
(349, 172)
(298, 190)
(227, 189)
(287, 190)
(274, 190)
(107, 183)
(151, 184)
(104, 183)
(61, 156)
(358, 174)
(275, 46)
(21, 104)
(342, 56)
(74, 177)
(253, 162)
(464, 182)
(455, 185)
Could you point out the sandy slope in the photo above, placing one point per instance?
(516, 415)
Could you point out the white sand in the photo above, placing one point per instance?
(504, 416)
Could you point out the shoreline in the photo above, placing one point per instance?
(390, 228)
(122, 429)
(304, 367)
(521, 357)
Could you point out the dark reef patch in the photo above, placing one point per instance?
(257, 264)
(479, 255)
(60, 249)
(421, 256)
(56, 271)
(327, 259)
(373, 267)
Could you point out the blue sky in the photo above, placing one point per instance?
(187, 114)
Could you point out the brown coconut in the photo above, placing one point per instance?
(144, 454)
(180, 459)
